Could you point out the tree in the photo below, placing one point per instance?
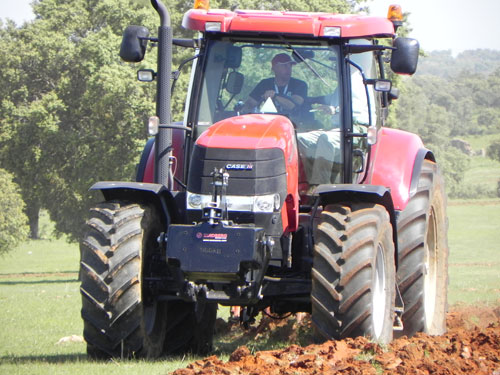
(72, 113)
(13, 221)
(493, 151)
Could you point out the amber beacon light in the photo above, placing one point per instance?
(395, 15)
(201, 4)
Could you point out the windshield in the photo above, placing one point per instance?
(235, 72)
(296, 80)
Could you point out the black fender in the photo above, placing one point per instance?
(156, 194)
(345, 193)
(422, 154)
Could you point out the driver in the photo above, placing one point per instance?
(287, 93)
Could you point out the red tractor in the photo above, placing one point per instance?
(280, 191)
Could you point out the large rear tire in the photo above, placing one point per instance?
(423, 256)
(353, 275)
(120, 317)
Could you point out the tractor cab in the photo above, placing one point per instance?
(331, 93)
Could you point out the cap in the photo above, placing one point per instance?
(282, 58)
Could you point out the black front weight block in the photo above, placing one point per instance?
(205, 249)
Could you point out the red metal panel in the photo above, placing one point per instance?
(392, 160)
(288, 22)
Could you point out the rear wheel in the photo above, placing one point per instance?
(353, 276)
(423, 256)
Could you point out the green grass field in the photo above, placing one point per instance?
(40, 301)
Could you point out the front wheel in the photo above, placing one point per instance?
(353, 276)
(120, 318)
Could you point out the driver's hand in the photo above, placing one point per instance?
(269, 94)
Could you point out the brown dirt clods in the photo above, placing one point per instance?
(471, 346)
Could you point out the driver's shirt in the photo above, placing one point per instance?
(294, 87)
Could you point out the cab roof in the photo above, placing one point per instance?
(295, 23)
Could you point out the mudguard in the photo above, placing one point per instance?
(340, 193)
(156, 194)
(395, 162)
(262, 131)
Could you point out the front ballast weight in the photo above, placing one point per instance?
(230, 259)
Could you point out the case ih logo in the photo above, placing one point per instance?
(214, 237)
(239, 167)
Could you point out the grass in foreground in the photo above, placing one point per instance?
(474, 263)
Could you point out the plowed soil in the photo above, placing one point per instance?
(471, 346)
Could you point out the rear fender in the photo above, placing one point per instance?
(342, 193)
(154, 194)
(396, 161)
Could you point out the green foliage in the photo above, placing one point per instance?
(71, 110)
(459, 100)
(13, 221)
(444, 64)
(494, 150)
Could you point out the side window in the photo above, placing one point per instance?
(358, 91)
(364, 101)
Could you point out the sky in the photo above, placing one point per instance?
(455, 25)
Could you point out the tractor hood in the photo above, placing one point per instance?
(254, 131)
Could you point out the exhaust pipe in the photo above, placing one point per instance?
(163, 141)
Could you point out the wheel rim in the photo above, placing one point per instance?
(430, 271)
(379, 294)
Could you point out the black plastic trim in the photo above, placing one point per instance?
(141, 167)
(422, 154)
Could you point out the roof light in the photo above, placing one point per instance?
(201, 4)
(332, 31)
(212, 26)
(395, 13)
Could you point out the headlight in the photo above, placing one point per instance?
(267, 203)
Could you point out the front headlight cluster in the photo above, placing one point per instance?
(258, 203)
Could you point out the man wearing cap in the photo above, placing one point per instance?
(287, 93)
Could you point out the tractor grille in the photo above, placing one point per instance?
(251, 172)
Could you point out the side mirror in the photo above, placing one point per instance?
(234, 83)
(134, 42)
(404, 58)
(233, 59)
